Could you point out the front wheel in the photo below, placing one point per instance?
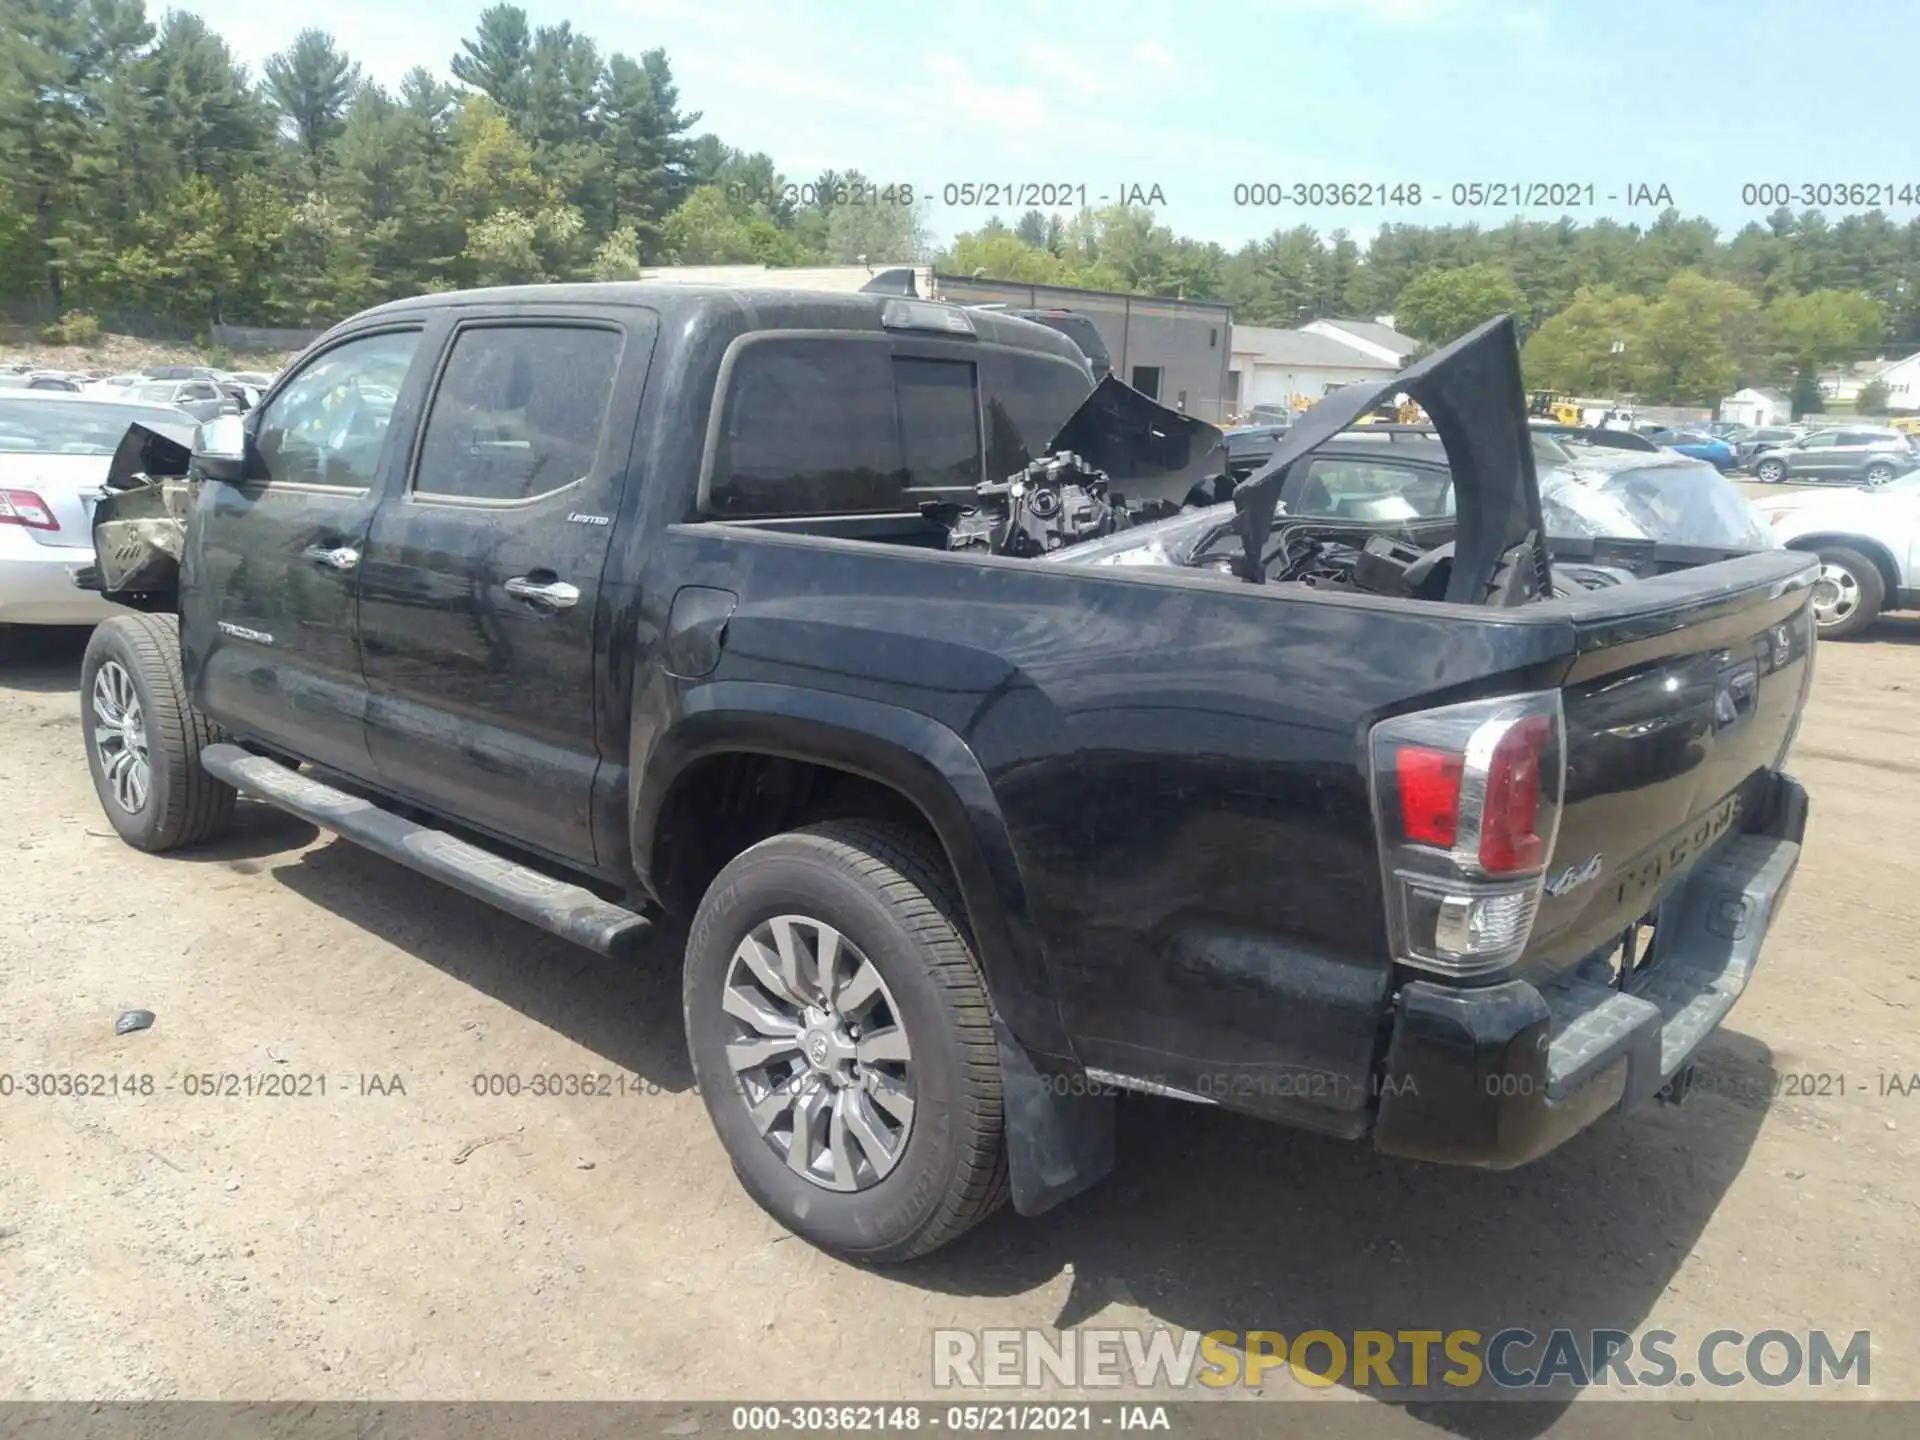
(842, 1040)
(144, 738)
(1771, 471)
(1847, 595)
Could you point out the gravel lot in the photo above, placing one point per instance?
(433, 1242)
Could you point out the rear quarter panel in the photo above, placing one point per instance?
(1179, 764)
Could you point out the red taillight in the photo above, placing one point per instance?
(1429, 783)
(23, 507)
(1509, 838)
(1468, 804)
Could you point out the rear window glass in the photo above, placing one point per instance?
(28, 427)
(518, 412)
(939, 421)
(1365, 490)
(843, 427)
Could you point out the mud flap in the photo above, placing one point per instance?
(1059, 1139)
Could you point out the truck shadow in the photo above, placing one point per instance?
(1211, 1221)
(627, 1011)
(44, 659)
(1894, 629)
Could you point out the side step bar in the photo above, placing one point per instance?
(571, 911)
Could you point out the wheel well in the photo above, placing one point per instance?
(1876, 552)
(721, 804)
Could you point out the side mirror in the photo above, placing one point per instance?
(220, 450)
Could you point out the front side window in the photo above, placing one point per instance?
(329, 425)
(519, 411)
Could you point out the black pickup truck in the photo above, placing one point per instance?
(761, 611)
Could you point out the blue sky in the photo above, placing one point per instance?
(1702, 96)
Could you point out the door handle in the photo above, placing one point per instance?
(338, 557)
(556, 593)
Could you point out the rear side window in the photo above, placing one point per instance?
(842, 427)
(519, 411)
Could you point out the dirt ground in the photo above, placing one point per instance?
(405, 1237)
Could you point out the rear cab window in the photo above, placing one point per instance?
(813, 425)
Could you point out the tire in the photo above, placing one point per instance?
(136, 657)
(1770, 472)
(887, 893)
(1853, 592)
(1879, 474)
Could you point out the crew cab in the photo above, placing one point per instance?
(784, 614)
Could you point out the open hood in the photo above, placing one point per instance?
(1471, 391)
(1150, 453)
(151, 450)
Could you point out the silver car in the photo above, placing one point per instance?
(54, 453)
(200, 398)
(1860, 456)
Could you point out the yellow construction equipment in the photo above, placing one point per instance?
(1555, 406)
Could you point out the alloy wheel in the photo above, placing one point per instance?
(120, 738)
(818, 1051)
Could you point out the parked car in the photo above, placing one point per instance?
(728, 604)
(1695, 445)
(1839, 457)
(1765, 437)
(202, 399)
(1868, 542)
(54, 453)
(180, 372)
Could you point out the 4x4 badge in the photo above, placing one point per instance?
(1574, 876)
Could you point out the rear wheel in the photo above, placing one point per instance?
(843, 1043)
(144, 739)
(1848, 594)
(1879, 474)
(1771, 471)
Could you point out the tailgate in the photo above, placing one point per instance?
(1686, 690)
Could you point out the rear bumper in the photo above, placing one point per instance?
(1498, 1076)
(36, 584)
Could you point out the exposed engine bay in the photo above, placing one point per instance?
(1122, 460)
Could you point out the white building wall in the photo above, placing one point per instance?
(1284, 385)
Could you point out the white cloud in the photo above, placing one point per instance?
(1152, 52)
(1059, 64)
(1015, 108)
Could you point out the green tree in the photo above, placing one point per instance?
(1002, 255)
(1808, 331)
(1872, 399)
(496, 59)
(1440, 305)
(869, 227)
(309, 83)
(1574, 350)
(1699, 337)
(710, 229)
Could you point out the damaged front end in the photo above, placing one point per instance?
(140, 522)
(1120, 459)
